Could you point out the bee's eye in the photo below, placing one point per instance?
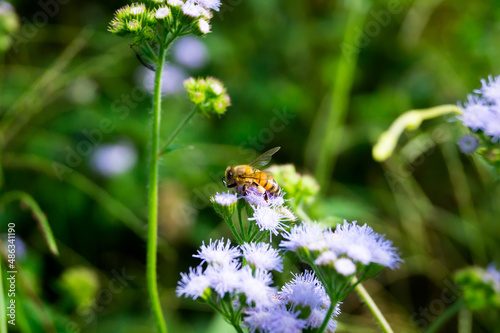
(230, 174)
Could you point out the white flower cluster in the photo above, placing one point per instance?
(250, 286)
(269, 215)
(482, 110)
(345, 248)
(304, 292)
(225, 275)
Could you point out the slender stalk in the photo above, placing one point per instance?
(442, 319)
(230, 224)
(326, 136)
(153, 199)
(410, 120)
(177, 131)
(464, 320)
(379, 317)
(240, 208)
(3, 315)
(322, 328)
(38, 214)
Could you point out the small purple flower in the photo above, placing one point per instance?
(217, 252)
(262, 256)
(468, 143)
(193, 284)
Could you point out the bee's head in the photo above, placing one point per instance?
(228, 179)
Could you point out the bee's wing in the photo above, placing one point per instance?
(264, 158)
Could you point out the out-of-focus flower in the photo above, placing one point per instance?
(113, 159)
(274, 320)
(209, 95)
(262, 256)
(81, 284)
(481, 287)
(171, 83)
(9, 24)
(300, 187)
(468, 143)
(82, 91)
(190, 52)
(482, 111)
(218, 252)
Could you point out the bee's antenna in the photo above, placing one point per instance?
(224, 181)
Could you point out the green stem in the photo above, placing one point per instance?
(240, 208)
(379, 317)
(230, 224)
(37, 212)
(3, 315)
(410, 120)
(464, 320)
(179, 128)
(326, 136)
(327, 317)
(442, 319)
(153, 199)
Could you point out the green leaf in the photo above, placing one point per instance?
(38, 215)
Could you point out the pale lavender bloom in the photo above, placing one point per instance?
(191, 8)
(326, 258)
(113, 159)
(269, 218)
(6, 8)
(493, 275)
(305, 289)
(482, 111)
(172, 79)
(224, 279)
(258, 319)
(193, 284)
(317, 316)
(225, 199)
(210, 4)
(345, 266)
(274, 320)
(305, 235)
(468, 143)
(286, 321)
(190, 52)
(257, 287)
(255, 198)
(262, 256)
(490, 89)
(218, 253)
(361, 243)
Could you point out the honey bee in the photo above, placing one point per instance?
(243, 177)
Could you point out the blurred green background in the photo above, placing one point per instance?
(322, 79)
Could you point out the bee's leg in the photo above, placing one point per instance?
(262, 190)
(244, 190)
